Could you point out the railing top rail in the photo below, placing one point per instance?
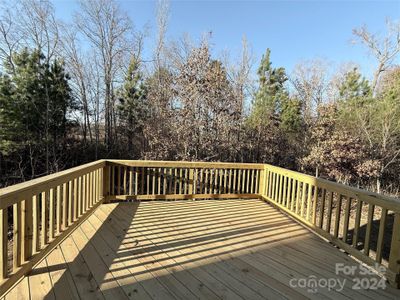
(388, 202)
(13, 193)
(186, 164)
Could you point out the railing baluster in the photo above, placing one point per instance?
(255, 182)
(309, 197)
(239, 187)
(220, 187)
(195, 178)
(147, 170)
(84, 188)
(247, 181)
(153, 173)
(225, 180)
(87, 192)
(211, 186)
(230, 190)
(329, 214)
(142, 180)
(70, 202)
(43, 241)
(338, 213)
(24, 231)
(322, 209)
(79, 196)
(130, 181)
(125, 180)
(244, 181)
(58, 211)
(112, 181)
(51, 213)
(137, 181)
(234, 189)
(75, 207)
(303, 198)
(35, 220)
(346, 219)
(164, 182)
(370, 218)
(288, 192)
(191, 181)
(293, 197)
(174, 180)
(284, 190)
(216, 187)
(314, 207)
(16, 235)
(357, 223)
(298, 196)
(381, 233)
(119, 180)
(4, 243)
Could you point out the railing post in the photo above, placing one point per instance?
(191, 181)
(393, 274)
(106, 182)
(263, 181)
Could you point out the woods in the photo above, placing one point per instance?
(73, 93)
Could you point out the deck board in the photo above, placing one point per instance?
(211, 249)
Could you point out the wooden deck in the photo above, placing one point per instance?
(210, 249)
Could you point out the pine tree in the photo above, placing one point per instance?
(133, 107)
(271, 92)
(354, 86)
(35, 98)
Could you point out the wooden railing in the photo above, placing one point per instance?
(40, 213)
(37, 215)
(181, 180)
(364, 224)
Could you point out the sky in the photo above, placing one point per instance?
(294, 30)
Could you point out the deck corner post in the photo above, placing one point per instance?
(106, 182)
(393, 272)
(263, 181)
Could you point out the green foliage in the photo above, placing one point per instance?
(133, 106)
(35, 98)
(132, 98)
(271, 92)
(9, 118)
(291, 116)
(354, 86)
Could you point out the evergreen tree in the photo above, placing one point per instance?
(133, 107)
(35, 98)
(291, 118)
(271, 92)
(354, 86)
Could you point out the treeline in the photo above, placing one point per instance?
(72, 93)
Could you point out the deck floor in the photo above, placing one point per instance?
(213, 249)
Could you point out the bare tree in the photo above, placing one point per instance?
(10, 37)
(79, 68)
(384, 49)
(110, 33)
(162, 15)
(311, 82)
(39, 27)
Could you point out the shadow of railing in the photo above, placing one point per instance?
(135, 251)
(125, 249)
